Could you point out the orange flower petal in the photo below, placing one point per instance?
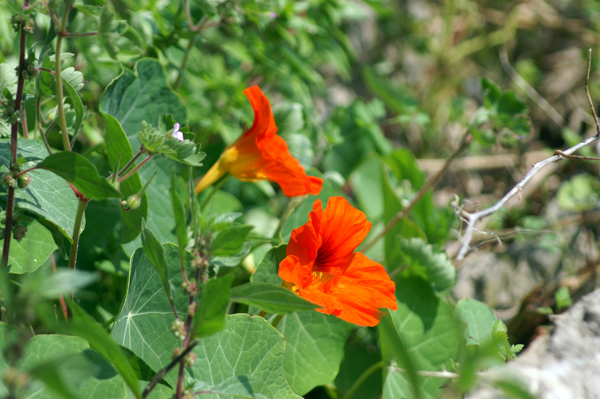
(363, 289)
(264, 123)
(343, 228)
(259, 154)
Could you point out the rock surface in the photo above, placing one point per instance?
(564, 364)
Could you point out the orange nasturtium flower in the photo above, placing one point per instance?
(322, 267)
(259, 154)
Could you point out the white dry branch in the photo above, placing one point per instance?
(472, 218)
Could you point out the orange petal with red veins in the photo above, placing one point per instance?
(343, 228)
(363, 289)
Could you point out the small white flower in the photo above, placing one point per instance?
(176, 133)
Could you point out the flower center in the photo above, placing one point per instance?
(324, 282)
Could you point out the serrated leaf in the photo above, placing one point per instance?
(424, 261)
(141, 95)
(80, 172)
(248, 347)
(229, 241)
(211, 312)
(271, 298)
(46, 190)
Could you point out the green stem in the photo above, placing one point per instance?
(213, 192)
(366, 374)
(136, 168)
(76, 231)
(277, 320)
(59, 82)
(289, 209)
(39, 120)
(428, 184)
(184, 63)
(131, 161)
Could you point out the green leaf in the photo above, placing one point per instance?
(405, 227)
(424, 261)
(93, 8)
(288, 118)
(33, 250)
(242, 387)
(229, 241)
(80, 172)
(141, 95)
(119, 153)
(248, 347)
(156, 255)
(430, 333)
(510, 104)
(8, 78)
(68, 368)
(314, 348)
(563, 299)
(578, 194)
(84, 326)
(46, 190)
(50, 285)
(268, 269)
(211, 312)
(143, 324)
(479, 319)
(179, 214)
(271, 298)
(393, 346)
(209, 7)
(491, 92)
(78, 107)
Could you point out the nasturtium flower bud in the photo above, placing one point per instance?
(134, 201)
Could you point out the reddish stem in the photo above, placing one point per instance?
(63, 305)
(10, 201)
(135, 169)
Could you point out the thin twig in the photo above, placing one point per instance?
(429, 373)
(428, 184)
(531, 92)
(473, 218)
(39, 120)
(131, 161)
(135, 169)
(587, 92)
(163, 372)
